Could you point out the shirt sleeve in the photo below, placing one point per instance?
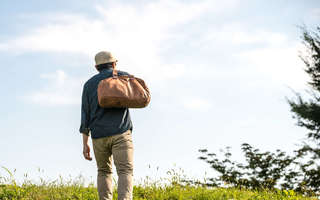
(84, 127)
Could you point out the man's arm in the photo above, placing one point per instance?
(86, 147)
(84, 127)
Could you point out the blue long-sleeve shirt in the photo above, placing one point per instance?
(101, 122)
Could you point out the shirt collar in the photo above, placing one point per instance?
(106, 69)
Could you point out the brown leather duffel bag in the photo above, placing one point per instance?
(125, 91)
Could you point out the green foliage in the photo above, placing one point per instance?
(307, 112)
(176, 189)
(30, 192)
(57, 189)
(204, 193)
(262, 170)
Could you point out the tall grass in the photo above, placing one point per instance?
(174, 189)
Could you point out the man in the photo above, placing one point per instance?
(110, 130)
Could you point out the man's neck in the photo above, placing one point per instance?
(104, 67)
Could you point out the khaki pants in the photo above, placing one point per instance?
(119, 147)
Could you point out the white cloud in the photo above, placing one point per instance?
(135, 34)
(279, 64)
(265, 37)
(315, 14)
(240, 34)
(3, 47)
(61, 90)
(196, 104)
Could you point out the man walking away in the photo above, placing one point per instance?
(110, 130)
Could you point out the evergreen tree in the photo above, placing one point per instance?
(307, 113)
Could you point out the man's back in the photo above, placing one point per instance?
(102, 122)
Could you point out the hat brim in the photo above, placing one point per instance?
(109, 61)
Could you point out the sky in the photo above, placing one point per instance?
(219, 73)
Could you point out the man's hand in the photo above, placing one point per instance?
(86, 147)
(86, 152)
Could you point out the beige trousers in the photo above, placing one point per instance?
(119, 147)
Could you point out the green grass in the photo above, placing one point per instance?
(64, 192)
(76, 189)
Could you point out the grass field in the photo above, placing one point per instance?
(75, 189)
(65, 192)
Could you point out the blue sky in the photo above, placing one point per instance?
(218, 72)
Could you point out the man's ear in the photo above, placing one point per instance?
(96, 66)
